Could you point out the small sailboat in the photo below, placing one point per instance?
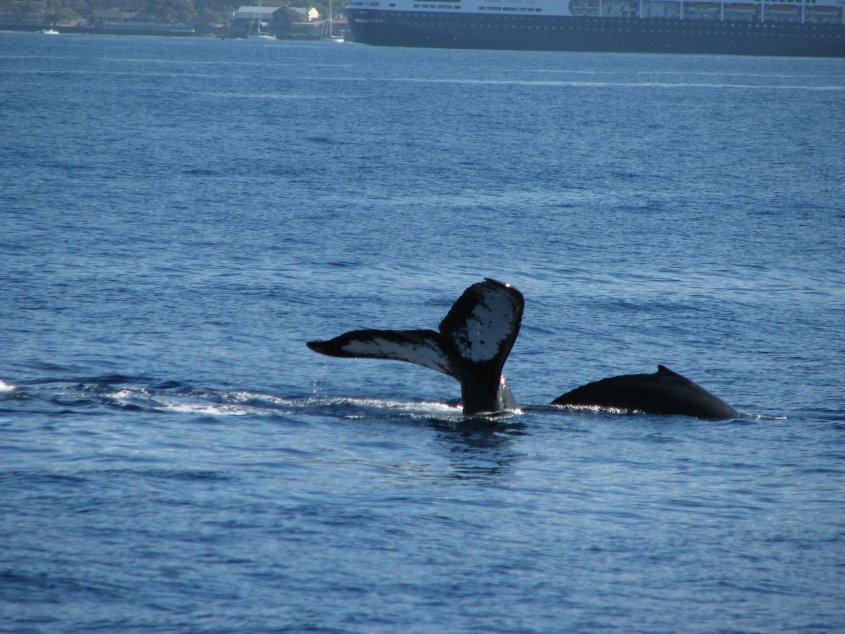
(258, 33)
(328, 24)
(264, 36)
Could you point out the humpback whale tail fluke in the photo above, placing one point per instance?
(664, 392)
(471, 345)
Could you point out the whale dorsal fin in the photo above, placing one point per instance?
(662, 370)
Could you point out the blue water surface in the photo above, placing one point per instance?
(179, 216)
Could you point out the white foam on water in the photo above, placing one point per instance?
(411, 407)
(206, 409)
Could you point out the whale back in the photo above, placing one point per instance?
(664, 392)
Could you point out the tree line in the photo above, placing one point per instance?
(171, 11)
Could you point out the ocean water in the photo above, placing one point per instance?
(179, 216)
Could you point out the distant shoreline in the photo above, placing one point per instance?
(165, 30)
(205, 31)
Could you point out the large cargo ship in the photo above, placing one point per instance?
(813, 28)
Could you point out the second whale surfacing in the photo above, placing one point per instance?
(664, 392)
(474, 341)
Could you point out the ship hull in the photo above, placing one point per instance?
(596, 34)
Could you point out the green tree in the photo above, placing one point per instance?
(170, 10)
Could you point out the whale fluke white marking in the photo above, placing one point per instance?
(421, 347)
(484, 322)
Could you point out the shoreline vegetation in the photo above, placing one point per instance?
(284, 20)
